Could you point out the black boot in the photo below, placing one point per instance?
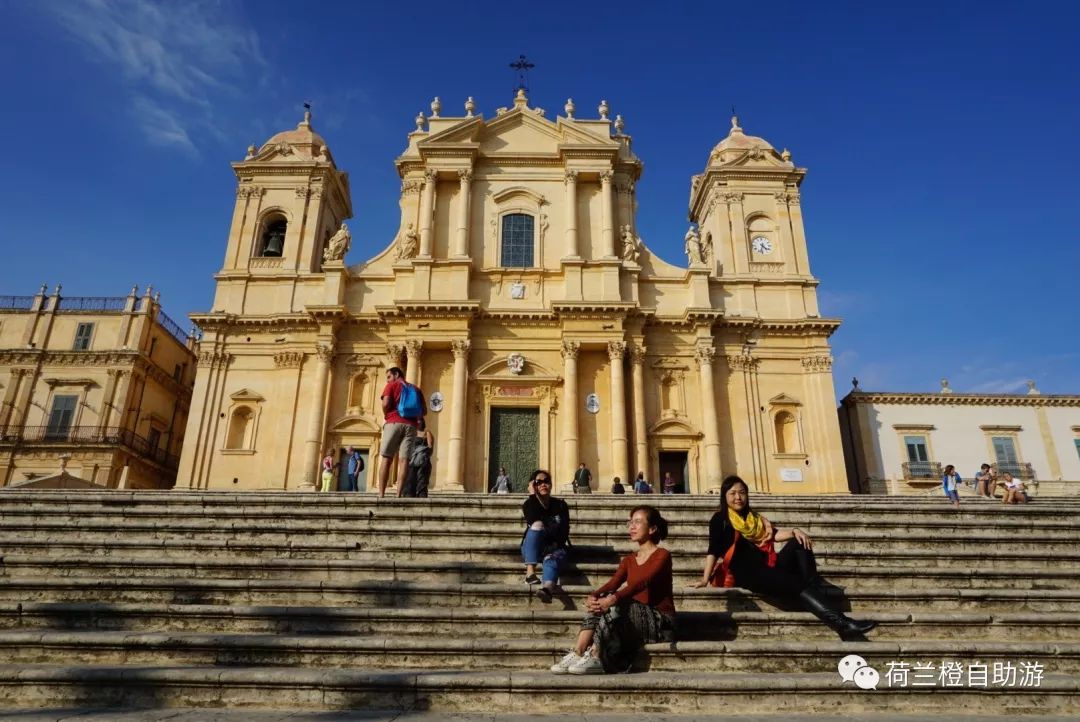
(814, 601)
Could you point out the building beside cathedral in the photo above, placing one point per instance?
(518, 295)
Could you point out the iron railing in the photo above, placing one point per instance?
(1020, 471)
(91, 435)
(17, 303)
(172, 327)
(922, 470)
(75, 304)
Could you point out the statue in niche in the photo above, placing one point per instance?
(692, 247)
(338, 245)
(631, 248)
(408, 244)
(707, 248)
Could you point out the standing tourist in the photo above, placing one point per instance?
(502, 482)
(582, 480)
(641, 486)
(669, 483)
(418, 476)
(399, 429)
(742, 553)
(547, 535)
(633, 608)
(354, 464)
(329, 464)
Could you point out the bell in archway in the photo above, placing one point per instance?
(274, 239)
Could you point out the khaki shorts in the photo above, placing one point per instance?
(396, 440)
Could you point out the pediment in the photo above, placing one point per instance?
(784, 400)
(756, 157)
(676, 426)
(500, 369)
(246, 395)
(355, 423)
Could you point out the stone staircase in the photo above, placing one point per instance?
(342, 602)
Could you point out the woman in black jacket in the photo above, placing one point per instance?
(742, 553)
(547, 534)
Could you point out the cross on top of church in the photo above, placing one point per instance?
(522, 66)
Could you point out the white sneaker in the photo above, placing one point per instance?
(566, 662)
(586, 664)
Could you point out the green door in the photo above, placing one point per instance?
(515, 444)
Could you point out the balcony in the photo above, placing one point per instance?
(922, 470)
(91, 435)
(1023, 472)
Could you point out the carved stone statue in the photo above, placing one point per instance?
(692, 247)
(516, 363)
(408, 244)
(707, 248)
(631, 245)
(338, 245)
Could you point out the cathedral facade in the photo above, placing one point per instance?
(518, 295)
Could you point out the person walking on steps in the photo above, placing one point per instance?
(633, 608)
(742, 553)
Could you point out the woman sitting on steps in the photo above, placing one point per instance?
(623, 618)
(742, 553)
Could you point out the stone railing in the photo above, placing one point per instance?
(921, 470)
(91, 435)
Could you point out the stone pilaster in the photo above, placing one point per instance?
(313, 442)
(427, 212)
(637, 375)
(705, 356)
(571, 403)
(461, 238)
(571, 215)
(619, 467)
(455, 472)
(607, 229)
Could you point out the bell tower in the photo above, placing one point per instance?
(290, 199)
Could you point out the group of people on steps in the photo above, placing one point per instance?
(637, 605)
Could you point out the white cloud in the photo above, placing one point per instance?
(176, 58)
(1000, 386)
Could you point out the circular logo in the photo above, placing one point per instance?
(592, 403)
(436, 401)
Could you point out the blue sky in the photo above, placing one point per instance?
(941, 142)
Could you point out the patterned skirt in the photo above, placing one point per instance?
(624, 629)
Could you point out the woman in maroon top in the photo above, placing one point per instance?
(635, 607)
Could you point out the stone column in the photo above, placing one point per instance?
(619, 468)
(427, 208)
(455, 473)
(412, 364)
(607, 231)
(461, 240)
(312, 444)
(637, 373)
(394, 352)
(571, 214)
(571, 403)
(705, 356)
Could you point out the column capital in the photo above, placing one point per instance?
(465, 175)
(733, 197)
(460, 347)
(637, 353)
(393, 353)
(705, 354)
(606, 177)
(325, 351)
(570, 349)
(742, 362)
(616, 350)
(431, 175)
(570, 176)
(288, 360)
(817, 364)
(413, 347)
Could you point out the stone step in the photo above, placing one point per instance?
(762, 656)
(870, 573)
(379, 593)
(507, 690)
(531, 623)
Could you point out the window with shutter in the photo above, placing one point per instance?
(83, 335)
(62, 416)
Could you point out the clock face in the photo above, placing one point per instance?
(761, 245)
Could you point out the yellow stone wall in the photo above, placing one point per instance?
(700, 358)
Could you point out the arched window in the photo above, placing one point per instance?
(518, 241)
(240, 425)
(272, 237)
(787, 433)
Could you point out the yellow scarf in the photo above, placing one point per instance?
(754, 527)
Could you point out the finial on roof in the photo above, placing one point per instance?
(1032, 391)
(520, 98)
(470, 107)
(420, 120)
(157, 297)
(786, 155)
(619, 124)
(854, 383)
(44, 289)
(945, 387)
(603, 110)
(57, 291)
(134, 289)
(569, 108)
(436, 106)
(149, 290)
(251, 151)
(306, 122)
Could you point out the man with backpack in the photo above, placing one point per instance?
(403, 408)
(419, 474)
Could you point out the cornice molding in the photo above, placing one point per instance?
(955, 399)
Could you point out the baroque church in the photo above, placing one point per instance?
(518, 295)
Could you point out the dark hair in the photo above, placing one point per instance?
(545, 472)
(395, 371)
(985, 466)
(641, 475)
(948, 467)
(724, 488)
(653, 518)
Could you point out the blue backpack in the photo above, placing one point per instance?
(410, 404)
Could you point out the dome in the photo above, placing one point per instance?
(303, 140)
(738, 140)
